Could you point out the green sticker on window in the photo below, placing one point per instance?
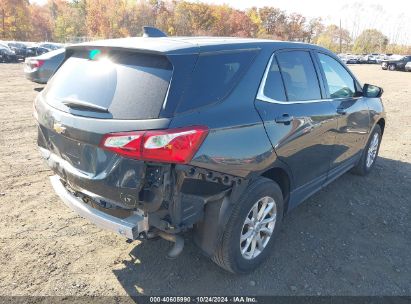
(93, 54)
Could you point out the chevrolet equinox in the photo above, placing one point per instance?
(152, 136)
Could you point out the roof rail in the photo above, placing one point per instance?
(150, 31)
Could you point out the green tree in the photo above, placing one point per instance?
(15, 19)
(331, 36)
(273, 22)
(370, 41)
(70, 20)
(231, 22)
(314, 28)
(295, 30)
(41, 23)
(193, 18)
(256, 22)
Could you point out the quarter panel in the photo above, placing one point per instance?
(237, 143)
(238, 150)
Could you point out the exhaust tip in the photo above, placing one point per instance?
(178, 246)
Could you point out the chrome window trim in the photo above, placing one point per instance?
(262, 97)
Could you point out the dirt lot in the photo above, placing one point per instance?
(352, 238)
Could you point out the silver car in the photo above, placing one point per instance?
(39, 69)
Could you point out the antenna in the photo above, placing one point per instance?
(150, 31)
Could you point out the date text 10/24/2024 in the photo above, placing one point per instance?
(203, 299)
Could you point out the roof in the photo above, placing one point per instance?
(186, 45)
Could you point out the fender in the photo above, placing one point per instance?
(209, 231)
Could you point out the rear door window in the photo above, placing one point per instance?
(129, 85)
(274, 87)
(214, 76)
(299, 75)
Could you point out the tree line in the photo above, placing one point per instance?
(76, 20)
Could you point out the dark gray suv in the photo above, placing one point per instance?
(155, 136)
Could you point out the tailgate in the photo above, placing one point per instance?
(70, 144)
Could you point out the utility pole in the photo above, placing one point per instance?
(3, 17)
(340, 37)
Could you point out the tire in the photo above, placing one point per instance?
(364, 167)
(228, 254)
(392, 67)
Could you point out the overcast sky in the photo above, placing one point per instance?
(392, 17)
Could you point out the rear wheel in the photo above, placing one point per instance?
(370, 153)
(252, 227)
(392, 67)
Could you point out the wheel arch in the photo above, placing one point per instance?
(282, 178)
(210, 229)
(381, 123)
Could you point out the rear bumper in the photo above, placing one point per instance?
(35, 75)
(129, 227)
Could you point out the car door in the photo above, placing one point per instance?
(299, 122)
(344, 93)
(403, 62)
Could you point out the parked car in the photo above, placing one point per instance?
(367, 59)
(408, 66)
(37, 49)
(31, 51)
(395, 63)
(154, 136)
(379, 58)
(18, 48)
(39, 69)
(363, 59)
(7, 55)
(50, 46)
(351, 60)
(41, 50)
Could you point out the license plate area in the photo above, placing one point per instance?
(72, 149)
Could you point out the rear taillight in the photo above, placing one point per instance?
(35, 64)
(171, 146)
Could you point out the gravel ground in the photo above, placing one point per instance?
(352, 238)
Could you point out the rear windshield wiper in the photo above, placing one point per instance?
(76, 103)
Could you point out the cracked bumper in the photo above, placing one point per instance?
(129, 227)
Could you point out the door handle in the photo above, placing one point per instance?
(341, 111)
(285, 119)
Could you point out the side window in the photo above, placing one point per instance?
(339, 81)
(274, 87)
(214, 76)
(300, 79)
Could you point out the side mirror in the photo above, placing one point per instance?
(372, 91)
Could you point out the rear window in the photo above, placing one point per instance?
(128, 85)
(215, 74)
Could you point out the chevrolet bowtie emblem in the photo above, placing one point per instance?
(59, 128)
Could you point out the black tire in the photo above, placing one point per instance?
(228, 254)
(361, 168)
(392, 67)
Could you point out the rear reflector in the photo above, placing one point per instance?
(170, 146)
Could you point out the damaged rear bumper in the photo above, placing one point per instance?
(129, 227)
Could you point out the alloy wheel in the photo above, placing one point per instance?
(258, 227)
(372, 150)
